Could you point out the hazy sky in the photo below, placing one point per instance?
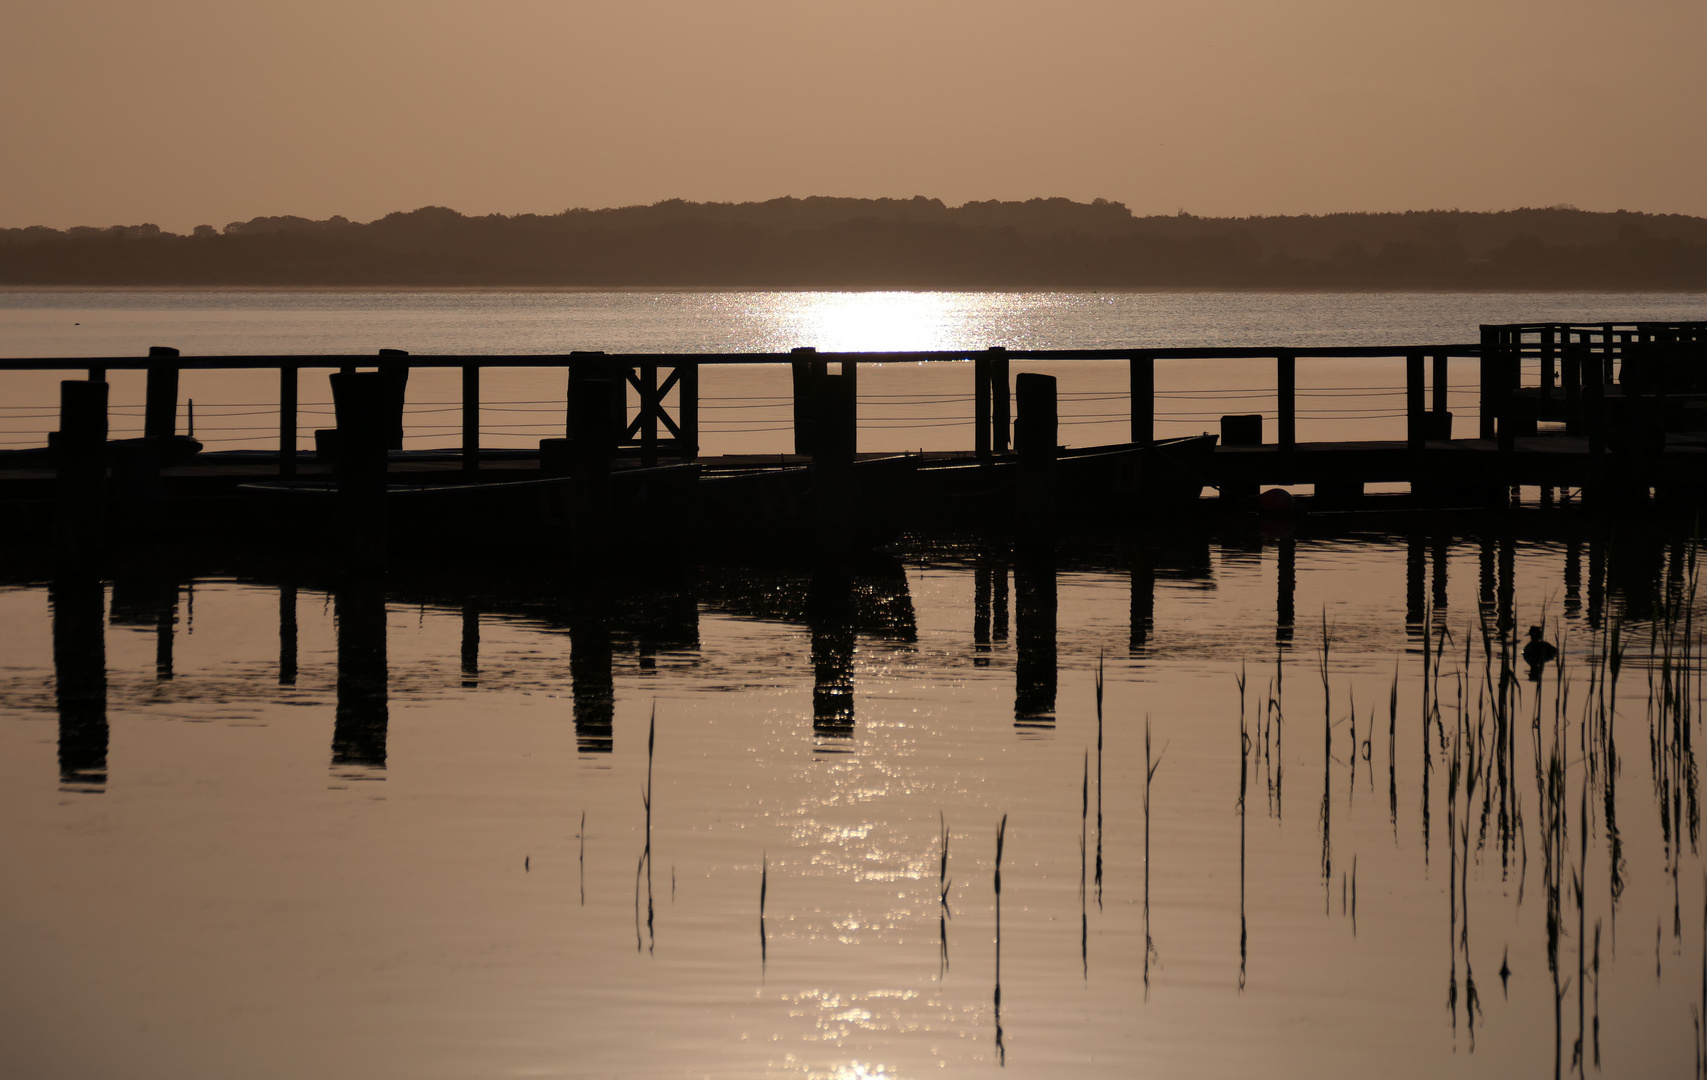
(189, 112)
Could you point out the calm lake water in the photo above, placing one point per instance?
(745, 410)
(744, 820)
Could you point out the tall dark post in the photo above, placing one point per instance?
(835, 435)
(981, 395)
(287, 634)
(1143, 613)
(287, 420)
(362, 402)
(1488, 364)
(648, 415)
(363, 715)
(470, 646)
(1286, 380)
(1035, 659)
(1035, 435)
(1442, 386)
(592, 442)
(80, 463)
(1285, 588)
(1549, 350)
(1416, 417)
(395, 369)
(1141, 373)
(1000, 400)
(687, 407)
(830, 614)
(1574, 369)
(591, 683)
(471, 419)
(808, 372)
(80, 680)
(160, 399)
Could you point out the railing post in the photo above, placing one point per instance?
(1573, 369)
(160, 400)
(1035, 440)
(648, 415)
(981, 407)
(1507, 358)
(1001, 423)
(396, 372)
(1142, 377)
(81, 470)
(287, 420)
(807, 371)
(1489, 361)
(1286, 378)
(1416, 417)
(1549, 350)
(471, 419)
(687, 407)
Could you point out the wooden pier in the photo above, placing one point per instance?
(1614, 412)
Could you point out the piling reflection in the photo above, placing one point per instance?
(149, 601)
(830, 617)
(1035, 661)
(80, 681)
(592, 684)
(363, 714)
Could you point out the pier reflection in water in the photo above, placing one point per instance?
(849, 739)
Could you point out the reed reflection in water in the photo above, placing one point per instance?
(830, 739)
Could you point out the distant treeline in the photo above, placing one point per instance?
(888, 243)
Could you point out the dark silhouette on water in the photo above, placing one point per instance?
(592, 686)
(1538, 653)
(470, 646)
(1001, 1048)
(80, 681)
(830, 615)
(287, 634)
(149, 599)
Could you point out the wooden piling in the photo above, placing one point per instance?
(288, 377)
(396, 372)
(364, 406)
(160, 399)
(1035, 435)
(687, 408)
(1416, 418)
(1141, 374)
(80, 463)
(1488, 363)
(471, 420)
(1001, 424)
(593, 437)
(1441, 387)
(1573, 369)
(807, 372)
(981, 395)
(835, 444)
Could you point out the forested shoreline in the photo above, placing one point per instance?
(914, 243)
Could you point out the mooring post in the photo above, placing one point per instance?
(807, 372)
(396, 372)
(835, 444)
(471, 419)
(1507, 357)
(363, 404)
(1286, 378)
(1141, 373)
(1416, 417)
(687, 407)
(287, 420)
(1035, 434)
(80, 462)
(981, 394)
(160, 399)
(593, 438)
(1001, 422)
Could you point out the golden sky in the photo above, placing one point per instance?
(185, 112)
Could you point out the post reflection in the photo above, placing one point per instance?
(592, 684)
(363, 711)
(1035, 670)
(80, 681)
(149, 601)
(830, 617)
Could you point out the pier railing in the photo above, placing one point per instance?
(661, 410)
